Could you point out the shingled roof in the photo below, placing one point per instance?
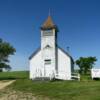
(48, 24)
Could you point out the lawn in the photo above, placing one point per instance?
(58, 90)
(13, 75)
(61, 90)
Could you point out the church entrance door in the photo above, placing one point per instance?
(48, 70)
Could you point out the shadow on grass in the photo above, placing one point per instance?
(96, 79)
(10, 78)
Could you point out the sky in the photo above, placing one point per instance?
(78, 22)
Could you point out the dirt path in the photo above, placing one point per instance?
(5, 83)
(8, 94)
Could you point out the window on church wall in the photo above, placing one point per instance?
(47, 61)
(48, 33)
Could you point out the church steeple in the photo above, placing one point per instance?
(49, 24)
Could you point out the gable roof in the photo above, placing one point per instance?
(34, 53)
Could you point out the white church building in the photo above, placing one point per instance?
(50, 61)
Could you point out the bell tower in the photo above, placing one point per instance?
(48, 47)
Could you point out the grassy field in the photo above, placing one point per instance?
(62, 90)
(86, 89)
(14, 75)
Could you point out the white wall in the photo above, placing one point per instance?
(48, 53)
(35, 65)
(64, 65)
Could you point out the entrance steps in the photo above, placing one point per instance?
(41, 79)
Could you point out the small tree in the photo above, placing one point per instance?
(85, 64)
(5, 50)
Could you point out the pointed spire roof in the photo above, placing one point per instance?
(48, 24)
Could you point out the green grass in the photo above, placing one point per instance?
(86, 89)
(61, 90)
(14, 75)
(85, 77)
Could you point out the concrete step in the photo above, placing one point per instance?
(42, 79)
